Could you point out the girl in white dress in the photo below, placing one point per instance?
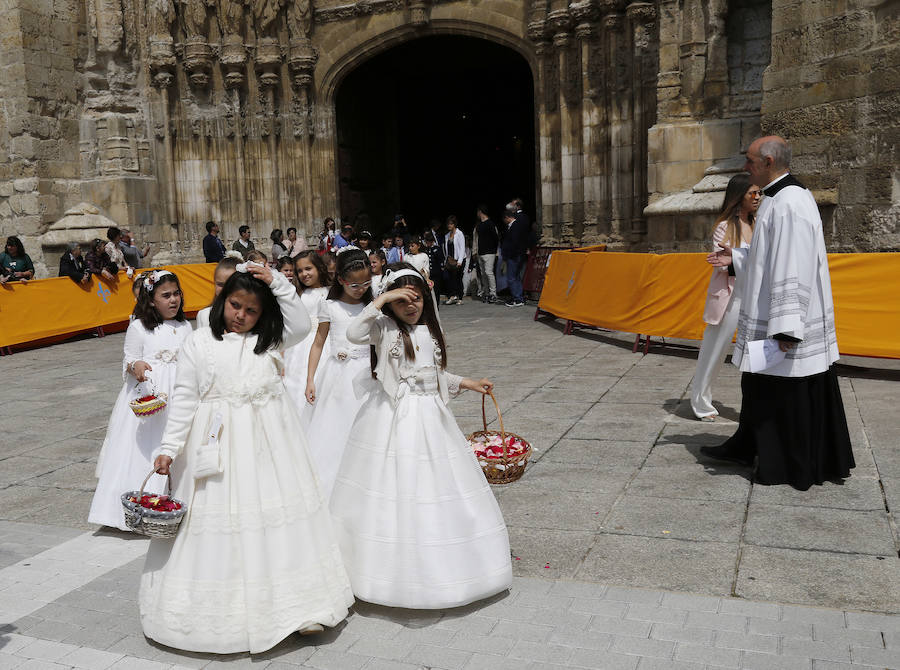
(224, 269)
(255, 557)
(152, 343)
(417, 522)
(337, 391)
(312, 281)
(377, 262)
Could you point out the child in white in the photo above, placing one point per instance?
(417, 522)
(152, 343)
(337, 391)
(224, 269)
(312, 282)
(255, 558)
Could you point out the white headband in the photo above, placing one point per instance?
(393, 275)
(245, 267)
(347, 247)
(152, 278)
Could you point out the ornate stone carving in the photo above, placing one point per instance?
(302, 62)
(233, 57)
(160, 17)
(194, 18)
(162, 60)
(299, 19)
(418, 12)
(264, 14)
(230, 14)
(197, 60)
(268, 61)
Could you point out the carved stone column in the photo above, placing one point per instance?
(197, 61)
(233, 59)
(267, 62)
(593, 119)
(572, 187)
(641, 16)
(618, 82)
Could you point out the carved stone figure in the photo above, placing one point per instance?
(160, 17)
(264, 14)
(230, 14)
(194, 17)
(299, 19)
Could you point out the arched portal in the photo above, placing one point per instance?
(432, 127)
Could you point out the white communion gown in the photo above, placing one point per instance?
(418, 524)
(296, 358)
(126, 455)
(343, 383)
(256, 556)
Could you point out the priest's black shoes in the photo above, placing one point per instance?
(723, 453)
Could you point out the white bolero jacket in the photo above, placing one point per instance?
(373, 327)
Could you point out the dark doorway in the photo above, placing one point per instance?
(433, 127)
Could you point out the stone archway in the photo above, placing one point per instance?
(433, 126)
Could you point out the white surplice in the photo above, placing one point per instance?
(786, 285)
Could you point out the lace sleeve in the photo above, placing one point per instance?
(453, 384)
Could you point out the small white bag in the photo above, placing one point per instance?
(209, 460)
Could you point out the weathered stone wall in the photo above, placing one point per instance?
(833, 88)
(166, 115)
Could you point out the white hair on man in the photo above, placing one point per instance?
(778, 150)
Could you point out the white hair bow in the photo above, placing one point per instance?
(151, 279)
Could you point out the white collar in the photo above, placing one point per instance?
(775, 181)
(241, 240)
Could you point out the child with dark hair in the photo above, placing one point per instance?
(417, 522)
(335, 392)
(377, 262)
(224, 269)
(255, 558)
(152, 344)
(312, 281)
(285, 265)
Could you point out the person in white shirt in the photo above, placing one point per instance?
(792, 415)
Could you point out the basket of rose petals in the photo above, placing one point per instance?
(501, 454)
(148, 404)
(151, 514)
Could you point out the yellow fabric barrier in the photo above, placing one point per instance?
(664, 295)
(46, 308)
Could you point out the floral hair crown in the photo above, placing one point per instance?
(151, 279)
(347, 247)
(234, 254)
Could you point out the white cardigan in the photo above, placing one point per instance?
(373, 327)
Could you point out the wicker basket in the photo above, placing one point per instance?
(507, 468)
(151, 522)
(149, 407)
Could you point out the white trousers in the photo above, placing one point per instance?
(716, 340)
(488, 281)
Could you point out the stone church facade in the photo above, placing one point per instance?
(165, 114)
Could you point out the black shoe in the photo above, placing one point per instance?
(723, 453)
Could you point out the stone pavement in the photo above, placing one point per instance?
(630, 550)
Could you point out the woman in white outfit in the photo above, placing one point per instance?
(734, 228)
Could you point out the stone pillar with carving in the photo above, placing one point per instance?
(618, 96)
(641, 16)
(571, 209)
(593, 119)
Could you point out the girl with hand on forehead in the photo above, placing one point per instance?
(416, 519)
(255, 558)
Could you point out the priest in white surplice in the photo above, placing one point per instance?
(792, 416)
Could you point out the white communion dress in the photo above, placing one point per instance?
(126, 456)
(256, 556)
(343, 383)
(418, 524)
(296, 358)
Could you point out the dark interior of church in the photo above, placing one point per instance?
(434, 127)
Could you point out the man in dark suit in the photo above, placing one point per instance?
(71, 265)
(513, 248)
(213, 247)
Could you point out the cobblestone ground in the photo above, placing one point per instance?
(630, 550)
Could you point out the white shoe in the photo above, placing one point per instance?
(312, 630)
